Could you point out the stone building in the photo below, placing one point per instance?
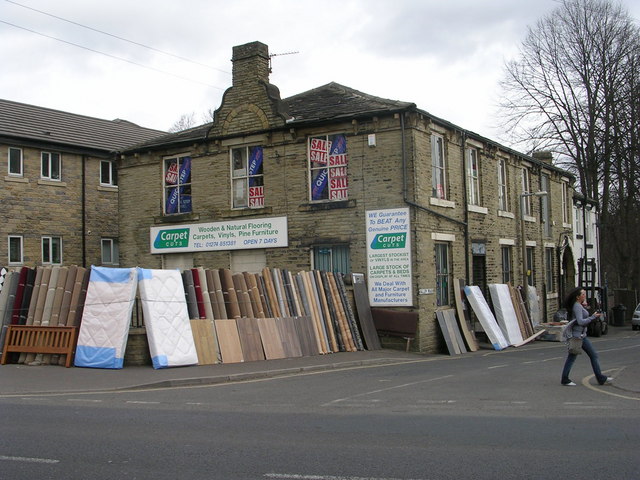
(337, 179)
(60, 189)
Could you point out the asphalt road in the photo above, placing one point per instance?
(486, 416)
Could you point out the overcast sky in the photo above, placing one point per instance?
(152, 61)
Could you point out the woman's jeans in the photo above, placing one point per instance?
(595, 364)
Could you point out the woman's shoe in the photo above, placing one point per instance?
(607, 381)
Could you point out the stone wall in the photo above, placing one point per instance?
(35, 207)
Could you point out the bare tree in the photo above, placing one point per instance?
(185, 122)
(209, 116)
(188, 120)
(574, 91)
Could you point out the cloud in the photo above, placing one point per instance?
(444, 56)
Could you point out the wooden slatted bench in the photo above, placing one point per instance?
(38, 339)
(395, 324)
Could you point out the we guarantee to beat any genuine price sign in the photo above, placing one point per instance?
(389, 257)
(233, 235)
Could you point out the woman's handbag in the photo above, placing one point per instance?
(575, 345)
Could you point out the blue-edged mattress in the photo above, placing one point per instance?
(166, 318)
(104, 327)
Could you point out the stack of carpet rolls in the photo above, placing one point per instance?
(306, 313)
(42, 296)
(240, 316)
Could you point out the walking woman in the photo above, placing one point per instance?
(574, 305)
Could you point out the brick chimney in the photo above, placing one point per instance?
(250, 64)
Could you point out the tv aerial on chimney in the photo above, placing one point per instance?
(271, 55)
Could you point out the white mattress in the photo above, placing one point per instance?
(485, 316)
(534, 305)
(104, 327)
(166, 318)
(505, 313)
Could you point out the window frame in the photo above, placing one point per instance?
(526, 189)
(442, 252)
(438, 168)
(50, 257)
(11, 260)
(11, 161)
(506, 253)
(334, 263)
(565, 204)
(473, 176)
(111, 174)
(111, 246)
(548, 264)
(545, 210)
(328, 153)
(579, 226)
(52, 159)
(251, 156)
(530, 253)
(503, 186)
(183, 162)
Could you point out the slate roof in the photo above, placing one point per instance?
(335, 101)
(32, 123)
(322, 104)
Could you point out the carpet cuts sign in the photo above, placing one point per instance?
(389, 257)
(232, 235)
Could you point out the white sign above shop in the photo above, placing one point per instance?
(229, 235)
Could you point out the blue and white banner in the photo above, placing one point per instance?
(175, 193)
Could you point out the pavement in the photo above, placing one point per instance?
(21, 380)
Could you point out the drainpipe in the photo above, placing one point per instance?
(427, 209)
(83, 196)
(465, 202)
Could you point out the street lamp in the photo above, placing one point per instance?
(525, 276)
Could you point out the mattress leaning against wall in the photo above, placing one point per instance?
(104, 328)
(166, 318)
(485, 316)
(505, 313)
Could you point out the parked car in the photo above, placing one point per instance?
(635, 319)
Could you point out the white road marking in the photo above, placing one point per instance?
(437, 402)
(337, 400)
(28, 459)
(293, 476)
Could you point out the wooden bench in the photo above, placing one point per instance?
(38, 339)
(395, 324)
